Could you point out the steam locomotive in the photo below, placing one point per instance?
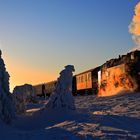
(115, 75)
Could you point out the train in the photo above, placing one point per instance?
(45, 89)
(114, 76)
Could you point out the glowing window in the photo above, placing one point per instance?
(89, 77)
(82, 78)
(85, 77)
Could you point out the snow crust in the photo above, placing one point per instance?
(114, 117)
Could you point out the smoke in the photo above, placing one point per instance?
(134, 27)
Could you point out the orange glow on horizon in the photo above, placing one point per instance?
(22, 73)
(21, 76)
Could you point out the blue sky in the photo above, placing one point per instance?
(39, 37)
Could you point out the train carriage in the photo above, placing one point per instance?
(87, 82)
(45, 89)
(50, 86)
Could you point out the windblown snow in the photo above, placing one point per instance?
(115, 117)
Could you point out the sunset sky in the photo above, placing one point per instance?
(39, 37)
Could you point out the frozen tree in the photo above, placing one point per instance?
(22, 95)
(7, 112)
(62, 95)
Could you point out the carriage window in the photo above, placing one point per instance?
(78, 79)
(85, 77)
(89, 77)
(81, 78)
(132, 56)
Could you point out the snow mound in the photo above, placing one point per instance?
(22, 95)
(62, 95)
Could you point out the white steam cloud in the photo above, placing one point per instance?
(134, 27)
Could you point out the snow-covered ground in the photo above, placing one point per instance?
(116, 117)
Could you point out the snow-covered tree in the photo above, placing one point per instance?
(7, 112)
(62, 95)
(22, 95)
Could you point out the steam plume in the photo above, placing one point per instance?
(134, 27)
